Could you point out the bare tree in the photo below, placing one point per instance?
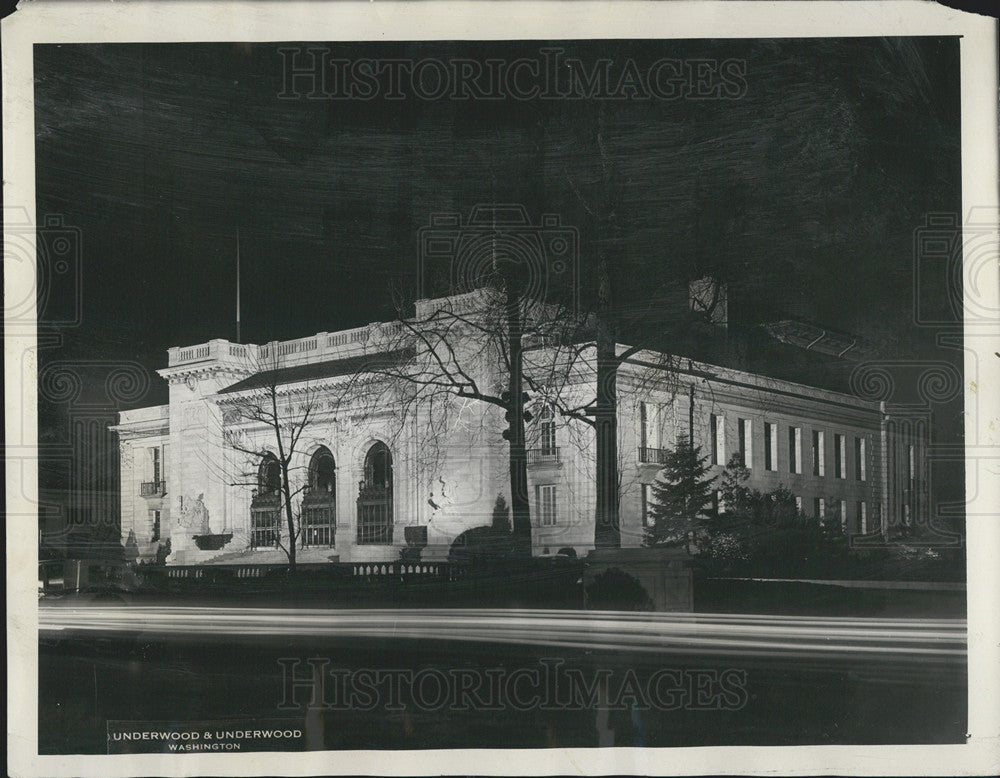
(471, 347)
(283, 413)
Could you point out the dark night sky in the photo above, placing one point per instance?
(806, 191)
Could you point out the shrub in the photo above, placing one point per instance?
(614, 589)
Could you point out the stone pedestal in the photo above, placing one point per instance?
(192, 555)
(665, 573)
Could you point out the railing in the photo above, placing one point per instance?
(152, 488)
(281, 352)
(185, 572)
(378, 330)
(537, 456)
(217, 349)
(428, 583)
(265, 496)
(653, 456)
(405, 570)
(390, 572)
(322, 342)
(318, 495)
(358, 335)
(196, 352)
(295, 346)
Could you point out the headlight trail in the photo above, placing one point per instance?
(716, 635)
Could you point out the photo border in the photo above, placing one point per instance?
(92, 22)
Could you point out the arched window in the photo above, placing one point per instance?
(265, 509)
(319, 507)
(268, 474)
(378, 466)
(323, 472)
(375, 497)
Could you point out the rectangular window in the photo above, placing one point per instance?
(862, 517)
(840, 456)
(798, 505)
(647, 499)
(154, 457)
(770, 446)
(794, 449)
(745, 427)
(819, 456)
(318, 525)
(720, 504)
(546, 498)
(819, 507)
(843, 515)
(547, 430)
(649, 425)
(718, 439)
(374, 523)
(859, 459)
(155, 515)
(264, 527)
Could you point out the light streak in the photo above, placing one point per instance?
(732, 635)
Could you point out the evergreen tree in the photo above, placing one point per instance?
(681, 495)
(738, 500)
(501, 516)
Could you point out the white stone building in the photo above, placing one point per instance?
(375, 468)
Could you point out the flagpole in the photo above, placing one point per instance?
(238, 285)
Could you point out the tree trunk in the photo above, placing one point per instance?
(519, 504)
(286, 488)
(607, 529)
(290, 518)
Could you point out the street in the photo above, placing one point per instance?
(487, 678)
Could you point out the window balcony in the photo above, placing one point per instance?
(152, 488)
(265, 498)
(653, 456)
(311, 496)
(543, 456)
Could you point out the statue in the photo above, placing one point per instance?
(194, 515)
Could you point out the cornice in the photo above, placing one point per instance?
(180, 373)
(141, 429)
